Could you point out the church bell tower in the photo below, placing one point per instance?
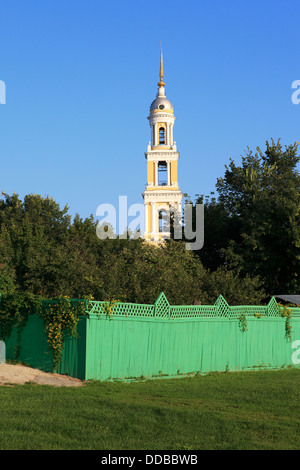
(162, 196)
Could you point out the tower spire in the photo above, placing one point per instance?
(161, 71)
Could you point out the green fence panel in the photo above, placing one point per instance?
(160, 340)
(32, 345)
(295, 311)
(73, 359)
(133, 347)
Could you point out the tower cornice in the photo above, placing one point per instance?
(164, 196)
(154, 156)
(161, 117)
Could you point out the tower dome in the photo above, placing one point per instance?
(161, 103)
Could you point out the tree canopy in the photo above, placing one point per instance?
(45, 253)
(253, 227)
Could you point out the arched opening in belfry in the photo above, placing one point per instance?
(163, 221)
(162, 136)
(162, 174)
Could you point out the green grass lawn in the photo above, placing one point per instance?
(240, 410)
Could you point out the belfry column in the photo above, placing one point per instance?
(153, 218)
(146, 218)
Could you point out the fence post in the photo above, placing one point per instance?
(161, 306)
(272, 308)
(223, 307)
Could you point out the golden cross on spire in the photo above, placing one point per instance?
(161, 72)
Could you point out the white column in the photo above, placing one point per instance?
(155, 134)
(171, 129)
(179, 208)
(169, 173)
(153, 228)
(146, 218)
(155, 173)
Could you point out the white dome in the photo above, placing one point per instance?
(161, 102)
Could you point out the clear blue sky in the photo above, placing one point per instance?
(80, 76)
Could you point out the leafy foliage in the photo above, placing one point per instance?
(14, 310)
(286, 313)
(44, 253)
(253, 228)
(60, 316)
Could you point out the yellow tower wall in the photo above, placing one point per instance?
(174, 172)
(150, 172)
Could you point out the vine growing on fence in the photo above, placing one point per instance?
(243, 322)
(108, 307)
(286, 313)
(60, 316)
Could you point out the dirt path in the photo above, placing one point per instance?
(19, 374)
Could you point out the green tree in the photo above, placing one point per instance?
(134, 271)
(43, 252)
(235, 288)
(261, 201)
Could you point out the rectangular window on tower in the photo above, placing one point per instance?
(162, 174)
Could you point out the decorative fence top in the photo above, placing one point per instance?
(162, 309)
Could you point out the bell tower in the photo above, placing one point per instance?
(162, 196)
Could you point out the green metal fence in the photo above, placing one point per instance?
(162, 309)
(159, 340)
